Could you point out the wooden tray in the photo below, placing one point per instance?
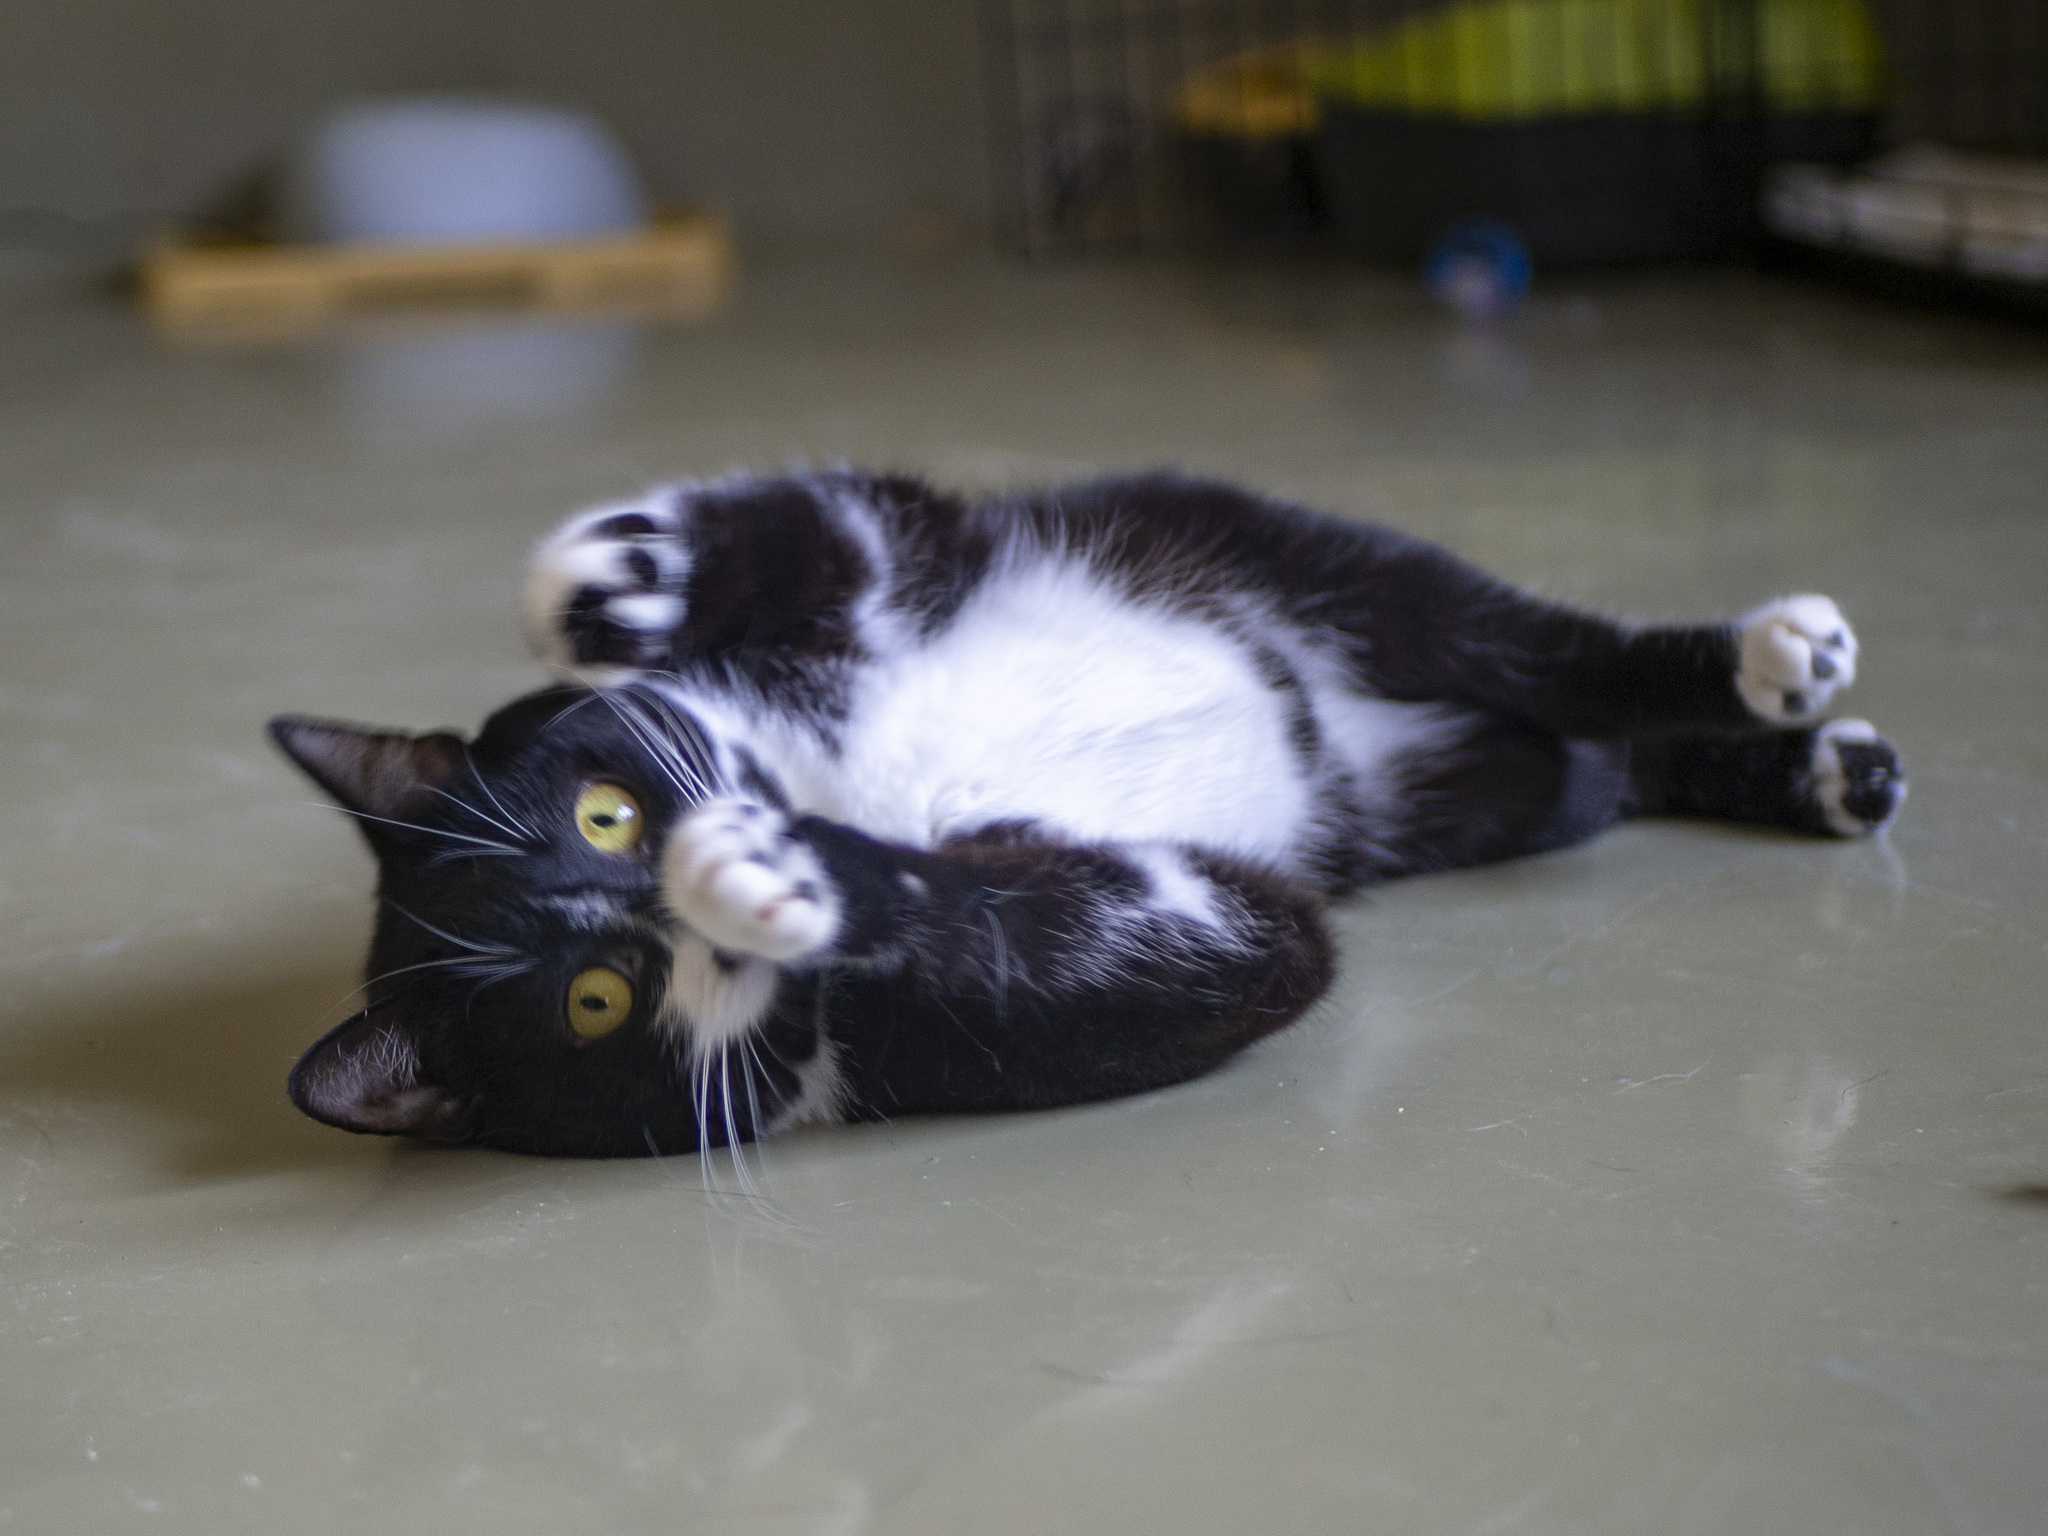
(679, 267)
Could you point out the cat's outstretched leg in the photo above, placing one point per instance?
(1424, 626)
(1841, 778)
(604, 592)
(1003, 972)
(1586, 676)
(1505, 789)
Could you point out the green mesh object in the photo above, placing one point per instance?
(1507, 60)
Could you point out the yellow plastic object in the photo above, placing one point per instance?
(1259, 95)
(1520, 59)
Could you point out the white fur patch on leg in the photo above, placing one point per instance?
(821, 1092)
(1176, 889)
(579, 556)
(1792, 655)
(732, 872)
(1868, 780)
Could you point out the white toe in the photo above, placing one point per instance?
(579, 556)
(1831, 778)
(734, 876)
(1792, 657)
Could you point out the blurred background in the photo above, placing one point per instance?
(817, 115)
(1048, 124)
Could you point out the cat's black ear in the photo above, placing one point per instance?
(380, 773)
(365, 1075)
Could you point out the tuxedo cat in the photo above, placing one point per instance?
(859, 799)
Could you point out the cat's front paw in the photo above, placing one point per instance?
(605, 590)
(1791, 657)
(736, 875)
(1856, 777)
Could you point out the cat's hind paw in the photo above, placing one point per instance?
(1856, 777)
(1791, 657)
(605, 591)
(736, 875)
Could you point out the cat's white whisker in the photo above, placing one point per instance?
(522, 829)
(474, 946)
(700, 1074)
(412, 826)
(477, 811)
(596, 691)
(733, 1149)
(473, 965)
(747, 1062)
(650, 745)
(451, 855)
(670, 752)
(692, 751)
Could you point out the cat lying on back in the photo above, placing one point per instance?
(859, 799)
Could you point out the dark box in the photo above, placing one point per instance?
(1603, 187)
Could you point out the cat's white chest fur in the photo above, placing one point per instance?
(1053, 698)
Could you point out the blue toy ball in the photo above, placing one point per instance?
(1480, 268)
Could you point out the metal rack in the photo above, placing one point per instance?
(1080, 95)
(1086, 158)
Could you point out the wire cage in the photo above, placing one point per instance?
(1599, 130)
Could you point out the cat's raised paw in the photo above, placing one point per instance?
(1791, 657)
(1856, 777)
(605, 591)
(736, 875)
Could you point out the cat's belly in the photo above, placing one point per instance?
(1054, 699)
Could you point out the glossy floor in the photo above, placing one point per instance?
(1692, 1181)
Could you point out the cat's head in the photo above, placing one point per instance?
(521, 951)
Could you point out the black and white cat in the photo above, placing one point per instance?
(861, 799)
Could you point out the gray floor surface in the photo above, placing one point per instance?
(1695, 1180)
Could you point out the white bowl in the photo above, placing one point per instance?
(438, 169)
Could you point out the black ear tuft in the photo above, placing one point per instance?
(365, 1076)
(380, 773)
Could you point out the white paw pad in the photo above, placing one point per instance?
(605, 589)
(1856, 777)
(736, 876)
(1791, 657)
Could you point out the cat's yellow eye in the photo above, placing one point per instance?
(599, 1001)
(608, 818)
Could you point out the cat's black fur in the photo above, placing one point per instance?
(1021, 952)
